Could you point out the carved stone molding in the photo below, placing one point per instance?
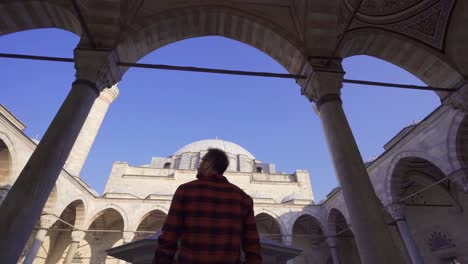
(46, 221)
(325, 77)
(424, 20)
(110, 94)
(331, 241)
(78, 235)
(397, 211)
(97, 67)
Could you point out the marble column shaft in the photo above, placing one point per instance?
(26, 199)
(76, 236)
(372, 235)
(45, 223)
(397, 211)
(332, 244)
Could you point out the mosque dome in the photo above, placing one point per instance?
(204, 145)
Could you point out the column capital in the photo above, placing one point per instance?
(128, 236)
(324, 79)
(460, 177)
(287, 239)
(78, 235)
(458, 99)
(110, 94)
(98, 68)
(46, 221)
(397, 211)
(332, 241)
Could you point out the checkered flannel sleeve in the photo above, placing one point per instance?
(250, 238)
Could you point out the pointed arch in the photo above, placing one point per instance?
(309, 235)
(429, 65)
(216, 20)
(268, 227)
(152, 221)
(16, 16)
(100, 211)
(7, 161)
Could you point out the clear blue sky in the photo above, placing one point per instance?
(158, 112)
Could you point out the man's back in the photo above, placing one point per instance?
(213, 219)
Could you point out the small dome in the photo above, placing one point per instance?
(204, 145)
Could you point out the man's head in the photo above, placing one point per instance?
(215, 162)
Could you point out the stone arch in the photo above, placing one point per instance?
(315, 215)
(7, 161)
(16, 16)
(283, 226)
(71, 218)
(418, 157)
(78, 208)
(336, 221)
(429, 65)
(309, 235)
(104, 231)
(340, 228)
(98, 212)
(438, 203)
(461, 142)
(152, 221)
(268, 227)
(216, 20)
(455, 141)
(413, 173)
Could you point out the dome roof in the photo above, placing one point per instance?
(204, 145)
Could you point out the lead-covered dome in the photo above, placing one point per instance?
(204, 145)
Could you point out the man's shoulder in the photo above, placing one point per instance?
(239, 190)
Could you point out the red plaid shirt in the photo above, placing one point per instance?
(212, 219)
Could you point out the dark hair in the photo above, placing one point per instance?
(219, 158)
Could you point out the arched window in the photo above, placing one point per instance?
(259, 170)
(167, 165)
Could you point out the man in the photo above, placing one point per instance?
(210, 218)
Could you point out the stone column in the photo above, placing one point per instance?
(45, 222)
(372, 236)
(24, 203)
(127, 238)
(397, 211)
(88, 133)
(76, 236)
(332, 244)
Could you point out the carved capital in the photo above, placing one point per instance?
(460, 177)
(459, 99)
(324, 79)
(331, 241)
(97, 67)
(287, 239)
(110, 94)
(128, 236)
(46, 221)
(78, 235)
(397, 211)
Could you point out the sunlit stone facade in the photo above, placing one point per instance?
(137, 198)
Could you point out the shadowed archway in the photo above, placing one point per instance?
(150, 223)
(308, 235)
(346, 244)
